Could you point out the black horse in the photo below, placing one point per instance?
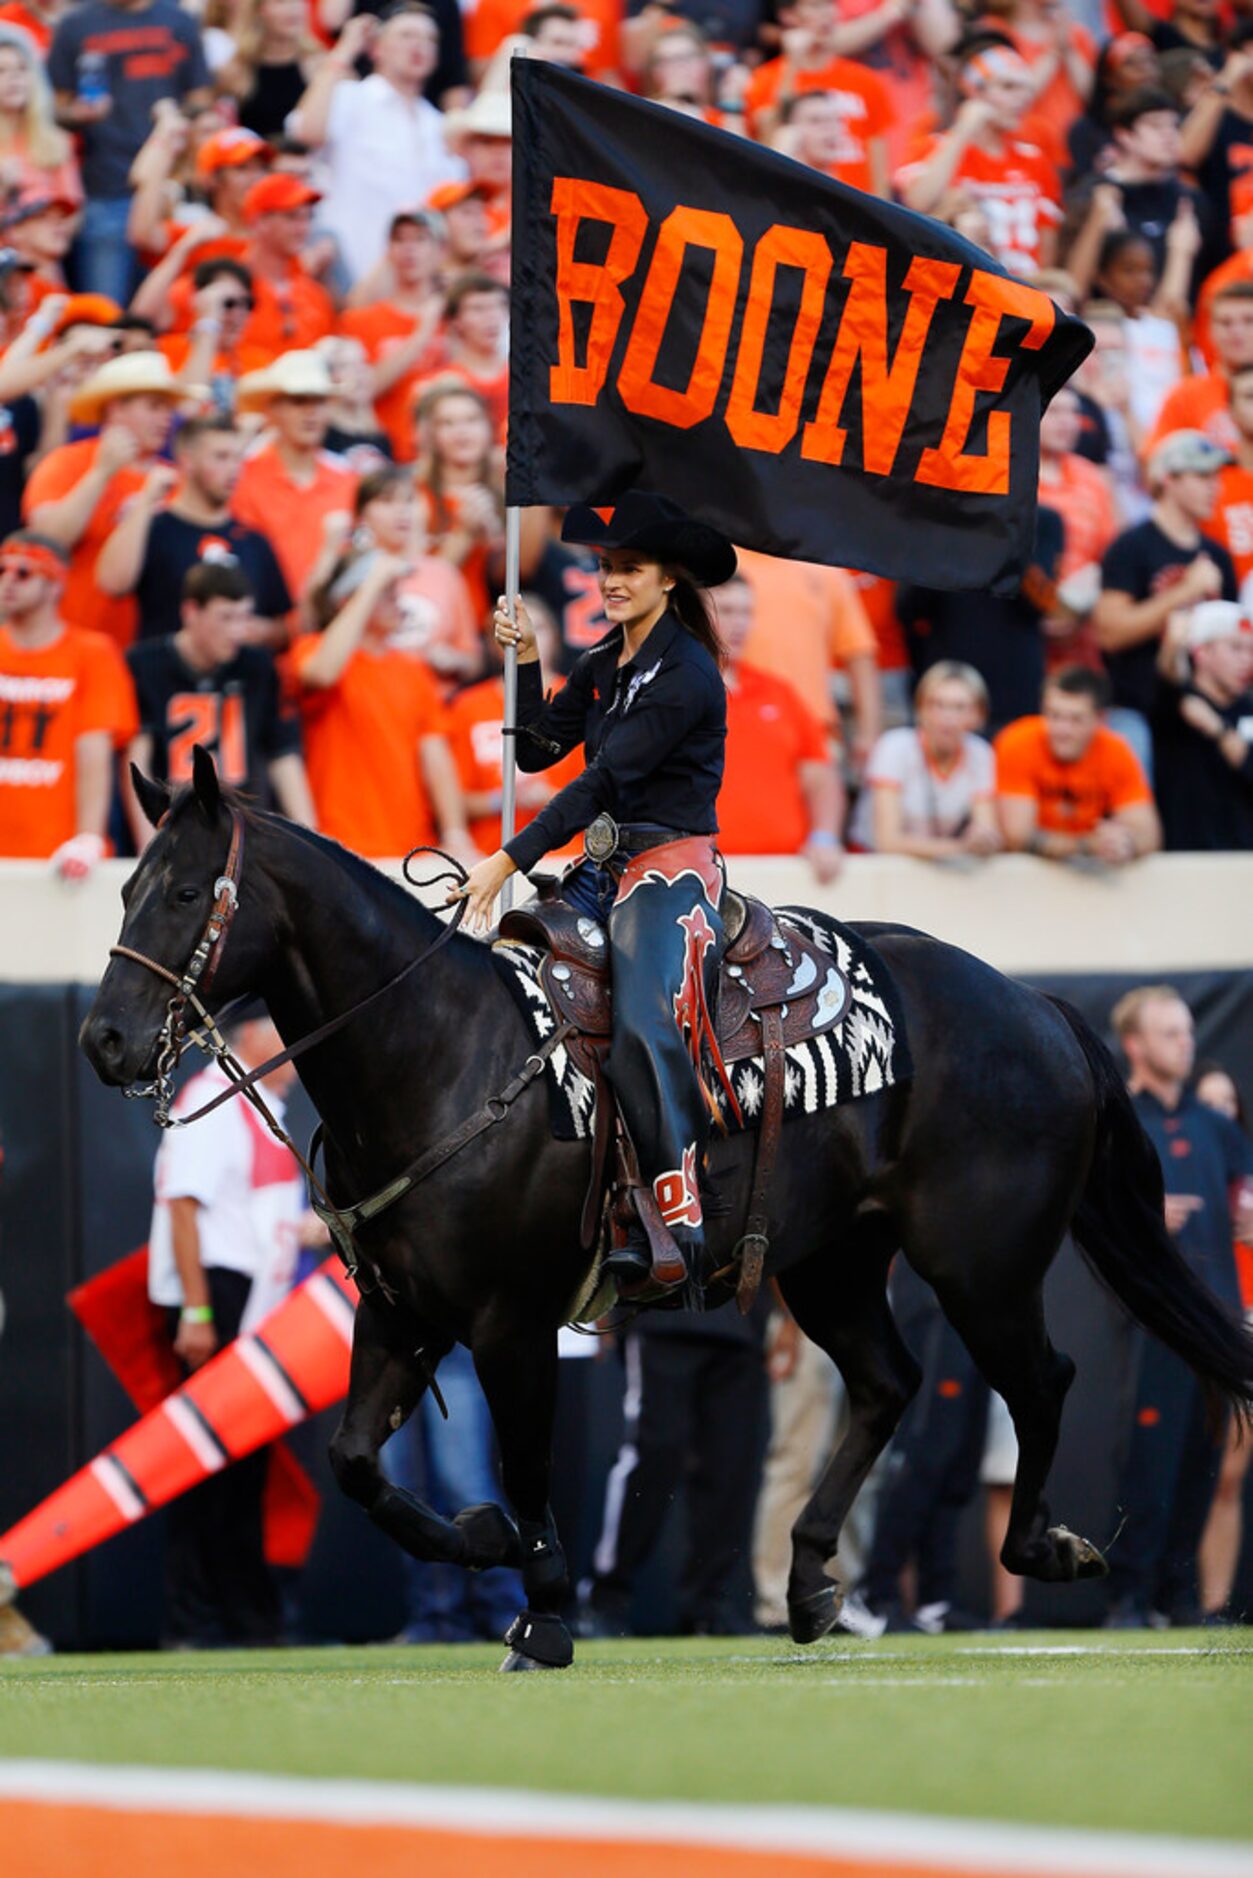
(1014, 1128)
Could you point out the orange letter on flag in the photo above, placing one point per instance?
(778, 247)
(886, 390)
(682, 229)
(993, 298)
(593, 283)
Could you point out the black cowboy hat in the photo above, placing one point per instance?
(658, 528)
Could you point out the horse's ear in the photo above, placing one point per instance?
(204, 782)
(153, 797)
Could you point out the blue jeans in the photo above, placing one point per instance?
(449, 1465)
(103, 260)
(1133, 728)
(591, 890)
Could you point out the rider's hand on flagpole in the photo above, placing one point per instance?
(515, 634)
(480, 888)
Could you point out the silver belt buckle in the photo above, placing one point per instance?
(600, 839)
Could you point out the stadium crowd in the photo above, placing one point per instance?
(254, 301)
(255, 304)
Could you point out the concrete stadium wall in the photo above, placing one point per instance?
(76, 1195)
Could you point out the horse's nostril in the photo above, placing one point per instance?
(107, 1041)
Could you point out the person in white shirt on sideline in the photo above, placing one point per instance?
(227, 1226)
(931, 789)
(382, 142)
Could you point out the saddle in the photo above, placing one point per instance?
(775, 988)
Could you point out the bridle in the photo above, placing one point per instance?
(192, 984)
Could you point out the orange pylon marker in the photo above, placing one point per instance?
(293, 1365)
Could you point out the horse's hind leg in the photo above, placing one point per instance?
(1008, 1340)
(517, 1366)
(840, 1301)
(384, 1387)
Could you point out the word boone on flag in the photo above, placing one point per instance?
(821, 374)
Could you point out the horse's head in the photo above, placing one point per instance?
(169, 905)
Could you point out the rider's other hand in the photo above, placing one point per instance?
(519, 632)
(480, 889)
(75, 858)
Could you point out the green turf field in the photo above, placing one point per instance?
(1146, 1732)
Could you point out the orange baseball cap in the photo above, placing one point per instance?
(273, 195)
(227, 148)
(87, 309)
(450, 195)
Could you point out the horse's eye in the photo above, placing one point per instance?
(186, 896)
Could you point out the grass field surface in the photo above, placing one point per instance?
(1144, 1732)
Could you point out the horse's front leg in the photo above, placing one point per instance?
(517, 1366)
(385, 1384)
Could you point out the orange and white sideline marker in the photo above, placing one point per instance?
(61, 1819)
(294, 1364)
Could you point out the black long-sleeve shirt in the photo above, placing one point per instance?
(654, 731)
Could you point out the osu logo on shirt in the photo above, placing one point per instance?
(8, 436)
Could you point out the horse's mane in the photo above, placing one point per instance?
(367, 878)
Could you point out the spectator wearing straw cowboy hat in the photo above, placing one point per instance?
(289, 487)
(77, 493)
(482, 136)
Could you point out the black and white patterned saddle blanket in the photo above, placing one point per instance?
(865, 1052)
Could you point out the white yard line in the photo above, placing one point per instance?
(931, 1843)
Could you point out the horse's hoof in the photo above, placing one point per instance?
(815, 1616)
(541, 1640)
(491, 1537)
(1078, 1557)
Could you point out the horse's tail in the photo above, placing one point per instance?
(1120, 1226)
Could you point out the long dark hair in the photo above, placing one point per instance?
(692, 610)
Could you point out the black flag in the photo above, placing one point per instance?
(820, 374)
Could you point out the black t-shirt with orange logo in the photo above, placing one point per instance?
(174, 546)
(149, 55)
(19, 438)
(235, 711)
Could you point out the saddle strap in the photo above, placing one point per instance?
(755, 1244)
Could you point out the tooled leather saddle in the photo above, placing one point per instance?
(775, 988)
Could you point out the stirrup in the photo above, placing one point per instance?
(630, 1263)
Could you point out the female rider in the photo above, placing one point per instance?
(649, 704)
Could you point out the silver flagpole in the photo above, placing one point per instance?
(509, 752)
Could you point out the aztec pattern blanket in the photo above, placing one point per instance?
(866, 1051)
